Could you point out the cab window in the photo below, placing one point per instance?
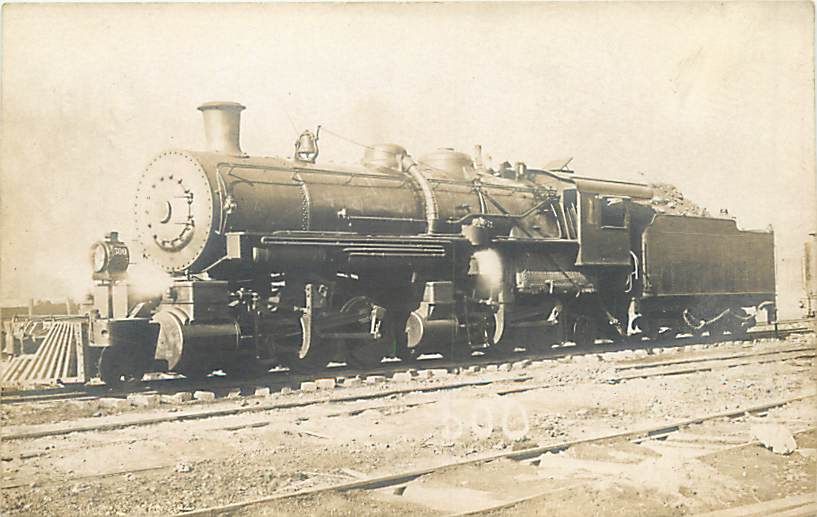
(613, 213)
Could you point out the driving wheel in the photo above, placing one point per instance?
(366, 353)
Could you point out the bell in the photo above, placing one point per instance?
(306, 147)
(306, 142)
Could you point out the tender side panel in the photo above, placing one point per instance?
(693, 256)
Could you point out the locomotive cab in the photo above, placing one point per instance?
(604, 230)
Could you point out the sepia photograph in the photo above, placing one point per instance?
(408, 258)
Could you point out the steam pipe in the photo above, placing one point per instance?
(409, 166)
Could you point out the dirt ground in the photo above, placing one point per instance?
(180, 466)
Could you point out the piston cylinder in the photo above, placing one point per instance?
(422, 333)
(435, 321)
(185, 346)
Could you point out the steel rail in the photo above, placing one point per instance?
(407, 476)
(196, 415)
(211, 413)
(729, 512)
(714, 358)
(680, 371)
(171, 385)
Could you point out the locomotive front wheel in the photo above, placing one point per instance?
(116, 368)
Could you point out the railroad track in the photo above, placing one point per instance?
(220, 412)
(702, 364)
(277, 380)
(402, 479)
(273, 380)
(506, 385)
(498, 386)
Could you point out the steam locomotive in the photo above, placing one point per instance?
(288, 261)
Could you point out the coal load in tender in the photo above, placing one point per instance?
(667, 199)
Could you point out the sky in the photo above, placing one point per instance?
(715, 98)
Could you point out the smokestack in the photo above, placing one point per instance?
(222, 126)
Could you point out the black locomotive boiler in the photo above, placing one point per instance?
(288, 261)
